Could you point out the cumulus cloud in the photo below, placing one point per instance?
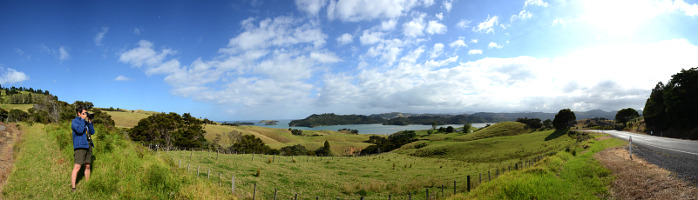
(448, 4)
(359, 10)
(388, 25)
(63, 53)
(100, 36)
(486, 26)
(463, 23)
(475, 52)
(415, 27)
(345, 39)
(458, 43)
(523, 15)
(371, 37)
(473, 41)
(312, 7)
(437, 50)
(494, 45)
(540, 3)
(10, 76)
(122, 78)
(435, 27)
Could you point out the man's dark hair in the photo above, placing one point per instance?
(79, 109)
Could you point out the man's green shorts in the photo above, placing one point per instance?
(83, 156)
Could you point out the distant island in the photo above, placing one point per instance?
(397, 118)
(268, 122)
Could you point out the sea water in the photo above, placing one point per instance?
(365, 128)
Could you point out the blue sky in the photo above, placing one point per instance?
(237, 60)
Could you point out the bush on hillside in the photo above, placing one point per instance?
(394, 141)
(170, 130)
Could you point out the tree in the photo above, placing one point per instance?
(548, 124)
(433, 125)
(250, 144)
(466, 127)
(295, 150)
(625, 115)
(324, 150)
(531, 123)
(564, 119)
(450, 129)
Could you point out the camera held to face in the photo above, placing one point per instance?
(90, 116)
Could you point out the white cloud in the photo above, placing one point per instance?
(414, 28)
(494, 45)
(688, 9)
(473, 41)
(324, 57)
(486, 26)
(280, 32)
(9, 76)
(387, 50)
(100, 36)
(463, 24)
(540, 3)
(458, 43)
(439, 16)
(523, 15)
(312, 7)
(448, 4)
(435, 27)
(369, 37)
(437, 50)
(122, 78)
(63, 53)
(345, 39)
(475, 52)
(144, 55)
(359, 10)
(559, 21)
(388, 25)
(440, 63)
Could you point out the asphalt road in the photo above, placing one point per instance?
(675, 155)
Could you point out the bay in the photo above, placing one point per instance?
(378, 129)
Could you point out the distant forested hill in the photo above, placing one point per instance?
(397, 118)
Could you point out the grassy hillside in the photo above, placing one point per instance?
(128, 118)
(502, 149)
(121, 170)
(410, 169)
(498, 129)
(572, 174)
(23, 107)
(277, 138)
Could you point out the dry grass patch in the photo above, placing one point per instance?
(638, 179)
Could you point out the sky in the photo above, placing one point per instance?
(283, 59)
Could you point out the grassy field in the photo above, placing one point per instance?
(128, 118)
(277, 138)
(572, 174)
(23, 107)
(406, 170)
(121, 170)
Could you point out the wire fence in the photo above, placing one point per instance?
(446, 189)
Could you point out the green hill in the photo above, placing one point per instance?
(498, 129)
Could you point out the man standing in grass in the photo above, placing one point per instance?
(82, 125)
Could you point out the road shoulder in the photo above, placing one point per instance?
(638, 179)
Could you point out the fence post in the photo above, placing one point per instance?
(489, 178)
(254, 191)
(187, 168)
(454, 187)
(197, 171)
(220, 174)
(427, 193)
(208, 174)
(468, 183)
(232, 184)
(409, 196)
(442, 190)
(179, 164)
(252, 156)
(275, 190)
(630, 146)
(295, 197)
(480, 180)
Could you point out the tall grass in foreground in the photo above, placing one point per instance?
(570, 174)
(121, 170)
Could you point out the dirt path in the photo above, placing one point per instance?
(9, 135)
(638, 179)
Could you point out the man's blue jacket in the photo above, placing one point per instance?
(79, 138)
